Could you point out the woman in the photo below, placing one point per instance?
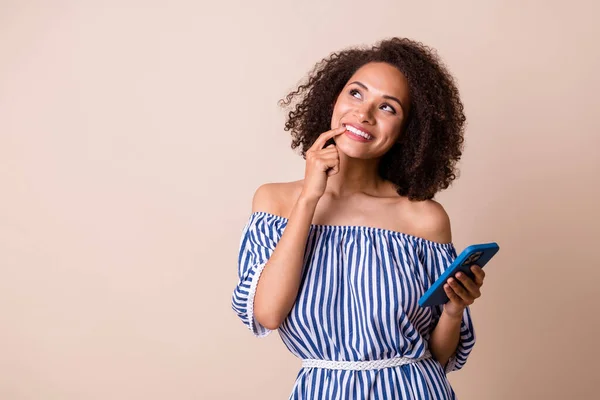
(338, 261)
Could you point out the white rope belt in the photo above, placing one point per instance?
(362, 365)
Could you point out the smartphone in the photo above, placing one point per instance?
(478, 254)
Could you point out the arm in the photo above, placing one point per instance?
(444, 338)
(453, 336)
(279, 281)
(278, 285)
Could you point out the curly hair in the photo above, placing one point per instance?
(423, 162)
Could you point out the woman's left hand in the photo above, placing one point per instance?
(465, 295)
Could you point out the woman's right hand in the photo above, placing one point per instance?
(321, 163)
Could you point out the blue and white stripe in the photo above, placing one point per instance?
(358, 300)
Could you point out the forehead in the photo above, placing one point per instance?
(383, 79)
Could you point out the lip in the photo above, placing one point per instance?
(358, 138)
(360, 127)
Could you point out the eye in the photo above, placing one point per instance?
(353, 91)
(391, 108)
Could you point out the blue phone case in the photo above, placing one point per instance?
(478, 254)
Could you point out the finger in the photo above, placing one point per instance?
(460, 291)
(479, 274)
(469, 284)
(329, 162)
(330, 159)
(325, 136)
(452, 295)
(334, 170)
(323, 159)
(331, 149)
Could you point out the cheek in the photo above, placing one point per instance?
(393, 127)
(341, 107)
(338, 113)
(397, 127)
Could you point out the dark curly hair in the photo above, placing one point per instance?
(423, 162)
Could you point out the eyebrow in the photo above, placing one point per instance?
(385, 96)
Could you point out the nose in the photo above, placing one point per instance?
(364, 113)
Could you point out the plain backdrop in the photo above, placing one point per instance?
(133, 135)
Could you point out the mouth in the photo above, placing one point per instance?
(356, 133)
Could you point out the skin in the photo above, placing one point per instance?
(342, 187)
(361, 101)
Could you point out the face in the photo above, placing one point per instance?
(373, 106)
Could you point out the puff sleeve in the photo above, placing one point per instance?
(259, 238)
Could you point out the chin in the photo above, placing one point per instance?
(353, 150)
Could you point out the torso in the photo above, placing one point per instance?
(387, 210)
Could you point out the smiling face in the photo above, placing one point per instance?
(373, 105)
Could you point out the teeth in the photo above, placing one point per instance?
(359, 133)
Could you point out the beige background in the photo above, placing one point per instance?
(133, 135)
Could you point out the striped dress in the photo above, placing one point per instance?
(357, 301)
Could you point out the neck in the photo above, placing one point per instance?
(355, 176)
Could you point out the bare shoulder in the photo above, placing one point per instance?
(274, 197)
(433, 221)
